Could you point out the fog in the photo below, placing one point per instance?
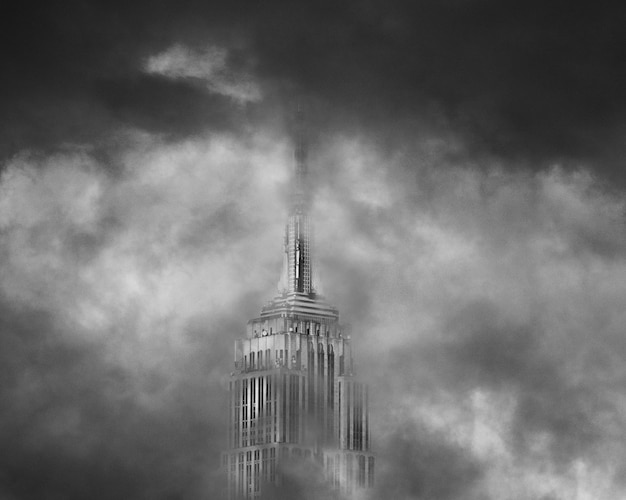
(469, 213)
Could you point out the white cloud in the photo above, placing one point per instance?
(167, 241)
(189, 228)
(546, 251)
(210, 66)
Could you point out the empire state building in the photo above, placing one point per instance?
(293, 396)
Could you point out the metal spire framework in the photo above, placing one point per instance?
(297, 273)
(293, 395)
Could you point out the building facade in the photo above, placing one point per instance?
(293, 396)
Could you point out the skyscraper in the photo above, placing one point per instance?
(293, 395)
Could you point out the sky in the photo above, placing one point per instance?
(466, 158)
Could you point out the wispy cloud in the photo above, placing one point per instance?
(210, 66)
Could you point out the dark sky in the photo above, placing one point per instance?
(467, 158)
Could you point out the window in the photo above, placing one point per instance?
(362, 470)
(256, 477)
(349, 470)
(370, 472)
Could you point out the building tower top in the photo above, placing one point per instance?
(298, 266)
(293, 395)
(300, 196)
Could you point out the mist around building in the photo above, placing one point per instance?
(466, 161)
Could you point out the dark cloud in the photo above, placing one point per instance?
(82, 425)
(183, 109)
(418, 463)
(74, 74)
(488, 350)
(534, 82)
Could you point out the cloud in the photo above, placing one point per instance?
(487, 310)
(116, 326)
(210, 66)
(485, 303)
(549, 91)
(469, 214)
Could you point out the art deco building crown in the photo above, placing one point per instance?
(293, 395)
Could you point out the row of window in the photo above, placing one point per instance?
(355, 432)
(255, 406)
(260, 360)
(248, 470)
(364, 472)
(307, 328)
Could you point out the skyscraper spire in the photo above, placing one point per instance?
(297, 275)
(294, 398)
(300, 197)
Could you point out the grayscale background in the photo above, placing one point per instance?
(468, 161)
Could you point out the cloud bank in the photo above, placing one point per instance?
(486, 315)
